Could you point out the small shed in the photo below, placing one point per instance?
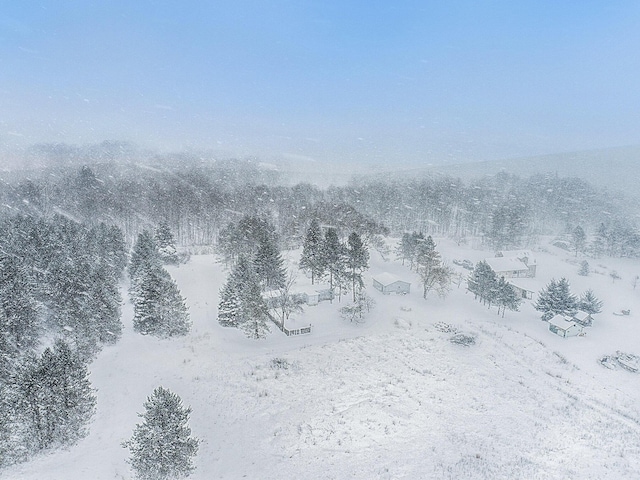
(313, 297)
(583, 318)
(564, 326)
(388, 283)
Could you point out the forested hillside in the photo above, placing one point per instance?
(199, 199)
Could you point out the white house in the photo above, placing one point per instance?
(508, 267)
(523, 256)
(389, 283)
(583, 318)
(563, 326)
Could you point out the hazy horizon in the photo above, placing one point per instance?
(359, 83)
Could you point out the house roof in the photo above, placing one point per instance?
(521, 285)
(562, 322)
(506, 264)
(581, 315)
(388, 278)
(515, 253)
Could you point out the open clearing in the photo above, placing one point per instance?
(390, 398)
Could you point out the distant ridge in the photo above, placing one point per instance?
(616, 169)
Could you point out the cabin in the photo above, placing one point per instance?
(312, 296)
(582, 318)
(522, 256)
(564, 326)
(388, 283)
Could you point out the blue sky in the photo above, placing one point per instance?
(354, 81)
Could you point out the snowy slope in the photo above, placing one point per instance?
(390, 398)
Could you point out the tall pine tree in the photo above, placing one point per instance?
(333, 259)
(357, 259)
(162, 447)
(166, 244)
(241, 303)
(312, 252)
(556, 299)
(159, 309)
(268, 265)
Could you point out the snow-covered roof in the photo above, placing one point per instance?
(581, 315)
(506, 264)
(522, 285)
(562, 322)
(515, 253)
(388, 278)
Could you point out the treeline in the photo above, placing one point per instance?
(198, 202)
(59, 279)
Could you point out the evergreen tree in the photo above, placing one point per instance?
(556, 299)
(333, 259)
(483, 283)
(579, 239)
(162, 447)
(506, 297)
(408, 246)
(312, 252)
(255, 313)
(599, 242)
(357, 260)
(229, 308)
(143, 257)
(19, 311)
(243, 238)
(268, 265)
(241, 303)
(589, 303)
(584, 268)
(106, 304)
(166, 244)
(159, 309)
(412, 243)
(56, 401)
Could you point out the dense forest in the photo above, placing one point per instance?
(199, 199)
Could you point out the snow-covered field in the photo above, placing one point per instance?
(389, 398)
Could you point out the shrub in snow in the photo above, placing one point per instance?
(445, 328)
(280, 363)
(463, 339)
(584, 268)
(161, 446)
(356, 312)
